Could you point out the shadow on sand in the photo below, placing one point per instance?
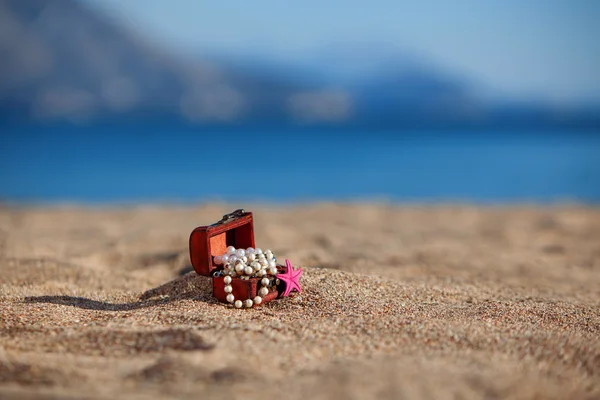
(187, 286)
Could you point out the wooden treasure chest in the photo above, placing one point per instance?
(242, 274)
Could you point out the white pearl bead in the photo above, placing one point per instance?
(228, 289)
(250, 250)
(272, 264)
(230, 298)
(263, 291)
(265, 281)
(225, 259)
(239, 268)
(261, 272)
(231, 250)
(257, 300)
(244, 259)
(238, 304)
(227, 280)
(233, 258)
(248, 303)
(218, 260)
(251, 256)
(240, 252)
(258, 250)
(248, 270)
(264, 262)
(273, 271)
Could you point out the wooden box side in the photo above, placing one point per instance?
(243, 289)
(209, 241)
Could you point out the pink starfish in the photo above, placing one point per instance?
(291, 279)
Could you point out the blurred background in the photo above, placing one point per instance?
(123, 101)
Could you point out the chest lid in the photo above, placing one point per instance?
(234, 229)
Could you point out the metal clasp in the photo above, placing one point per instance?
(233, 215)
(230, 217)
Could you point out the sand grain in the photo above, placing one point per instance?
(398, 302)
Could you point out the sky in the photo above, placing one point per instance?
(528, 48)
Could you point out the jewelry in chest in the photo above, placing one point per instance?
(243, 275)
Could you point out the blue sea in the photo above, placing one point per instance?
(107, 164)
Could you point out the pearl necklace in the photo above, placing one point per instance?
(247, 263)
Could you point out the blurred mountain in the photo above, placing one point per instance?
(62, 60)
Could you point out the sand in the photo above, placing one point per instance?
(399, 302)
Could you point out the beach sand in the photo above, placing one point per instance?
(417, 302)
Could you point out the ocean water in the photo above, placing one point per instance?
(169, 163)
